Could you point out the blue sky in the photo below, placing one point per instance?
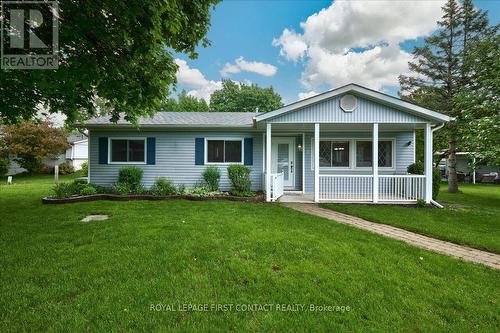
(362, 41)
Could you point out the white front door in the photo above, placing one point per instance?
(283, 159)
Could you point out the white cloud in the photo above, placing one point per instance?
(377, 27)
(304, 95)
(188, 76)
(241, 65)
(293, 47)
(194, 79)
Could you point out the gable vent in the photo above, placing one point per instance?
(348, 103)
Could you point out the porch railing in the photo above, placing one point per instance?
(276, 186)
(345, 188)
(401, 187)
(392, 188)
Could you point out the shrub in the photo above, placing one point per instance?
(121, 189)
(131, 177)
(181, 189)
(202, 191)
(163, 186)
(416, 168)
(240, 179)
(4, 166)
(66, 168)
(88, 190)
(211, 175)
(64, 190)
(436, 182)
(421, 203)
(85, 168)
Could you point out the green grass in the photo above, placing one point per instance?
(59, 274)
(470, 218)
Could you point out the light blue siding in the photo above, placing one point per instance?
(403, 154)
(175, 158)
(329, 111)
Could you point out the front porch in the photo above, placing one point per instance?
(384, 182)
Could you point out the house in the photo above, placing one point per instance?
(468, 171)
(74, 155)
(319, 149)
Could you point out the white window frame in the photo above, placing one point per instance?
(224, 139)
(352, 154)
(127, 138)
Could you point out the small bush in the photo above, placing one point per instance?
(211, 175)
(88, 190)
(163, 186)
(421, 203)
(66, 168)
(181, 189)
(416, 168)
(85, 168)
(121, 189)
(240, 178)
(64, 190)
(201, 191)
(131, 177)
(4, 166)
(436, 182)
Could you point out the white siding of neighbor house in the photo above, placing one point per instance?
(329, 111)
(175, 158)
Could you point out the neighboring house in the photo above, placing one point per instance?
(321, 148)
(75, 155)
(468, 171)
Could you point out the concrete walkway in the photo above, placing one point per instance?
(428, 243)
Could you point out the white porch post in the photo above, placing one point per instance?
(268, 162)
(316, 162)
(304, 163)
(428, 162)
(375, 162)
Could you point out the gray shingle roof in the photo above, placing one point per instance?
(185, 119)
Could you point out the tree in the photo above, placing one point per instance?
(33, 142)
(185, 103)
(439, 72)
(117, 51)
(479, 101)
(240, 97)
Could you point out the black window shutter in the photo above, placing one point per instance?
(199, 148)
(151, 150)
(248, 151)
(103, 150)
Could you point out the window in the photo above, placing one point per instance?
(224, 151)
(333, 153)
(127, 151)
(364, 154)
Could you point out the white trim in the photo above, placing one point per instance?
(352, 154)
(428, 163)
(364, 92)
(88, 157)
(316, 161)
(375, 142)
(414, 143)
(224, 139)
(268, 162)
(128, 138)
(303, 152)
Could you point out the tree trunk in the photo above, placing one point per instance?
(452, 166)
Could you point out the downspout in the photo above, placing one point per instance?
(434, 202)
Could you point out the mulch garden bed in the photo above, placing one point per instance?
(116, 197)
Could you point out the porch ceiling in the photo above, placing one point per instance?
(305, 127)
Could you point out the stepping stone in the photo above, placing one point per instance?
(95, 218)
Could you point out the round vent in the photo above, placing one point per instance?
(348, 103)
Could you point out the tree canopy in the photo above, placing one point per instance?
(241, 97)
(33, 142)
(116, 51)
(185, 103)
(440, 72)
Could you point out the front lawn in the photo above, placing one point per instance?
(60, 274)
(470, 218)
